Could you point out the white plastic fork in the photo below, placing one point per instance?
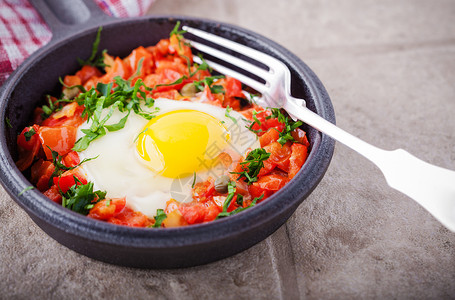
(431, 186)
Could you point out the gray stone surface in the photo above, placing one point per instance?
(389, 67)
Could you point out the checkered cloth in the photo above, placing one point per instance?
(22, 31)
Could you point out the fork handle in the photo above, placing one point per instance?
(431, 186)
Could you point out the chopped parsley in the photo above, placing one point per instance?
(255, 121)
(159, 218)
(50, 108)
(252, 165)
(59, 167)
(176, 30)
(239, 202)
(194, 180)
(209, 81)
(290, 125)
(81, 197)
(78, 86)
(93, 60)
(28, 135)
(8, 122)
(228, 114)
(30, 187)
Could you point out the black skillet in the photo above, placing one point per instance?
(74, 25)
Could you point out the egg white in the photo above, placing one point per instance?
(118, 170)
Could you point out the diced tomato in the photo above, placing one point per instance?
(225, 159)
(28, 150)
(213, 99)
(300, 136)
(37, 116)
(162, 47)
(29, 144)
(264, 118)
(279, 154)
(203, 190)
(118, 68)
(272, 135)
(152, 80)
(267, 185)
(208, 94)
(179, 47)
(273, 123)
(171, 205)
(197, 212)
(169, 73)
(297, 159)
(212, 211)
(41, 173)
(233, 87)
(271, 182)
(233, 91)
(170, 94)
(233, 205)
(108, 61)
(53, 194)
(107, 208)
(71, 159)
(256, 191)
(72, 80)
(60, 139)
(66, 181)
(71, 116)
(128, 217)
(165, 65)
(132, 61)
(87, 72)
(67, 111)
(268, 167)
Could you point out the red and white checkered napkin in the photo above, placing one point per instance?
(22, 31)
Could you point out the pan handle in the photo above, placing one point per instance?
(66, 17)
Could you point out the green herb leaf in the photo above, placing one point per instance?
(81, 197)
(239, 209)
(92, 60)
(176, 30)
(119, 125)
(104, 88)
(28, 135)
(59, 167)
(208, 81)
(30, 187)
(194, 180)
(231, 194)
(78, 86)
(8, 122)
(252, 165)
(159, 218)
(290, 125)
(227, 114)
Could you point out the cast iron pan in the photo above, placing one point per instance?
(74, 29)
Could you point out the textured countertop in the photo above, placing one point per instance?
(389, 67)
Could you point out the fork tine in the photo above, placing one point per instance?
(232, 60)
(261, 57)
(226, 71)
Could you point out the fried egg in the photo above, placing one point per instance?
(151, 161)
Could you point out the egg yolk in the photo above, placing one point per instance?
(178, 143)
